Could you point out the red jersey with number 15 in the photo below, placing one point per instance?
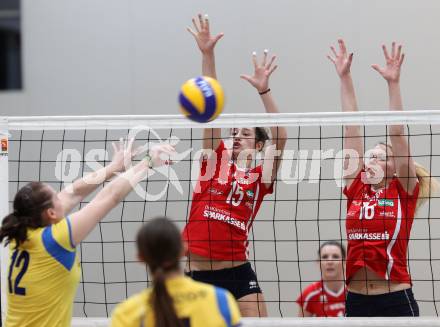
(224, 205)
(378, 228)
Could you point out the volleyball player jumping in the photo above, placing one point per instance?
(383, 194)
(225, 205)
(44, 269)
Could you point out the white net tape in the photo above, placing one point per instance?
(226, 120)
(303, 322)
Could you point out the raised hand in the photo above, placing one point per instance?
(161, 154)
(263, 70)
(342, 60)
(123, 152)
(391, 71)
(202, 34)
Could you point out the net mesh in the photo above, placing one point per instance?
(306, 208)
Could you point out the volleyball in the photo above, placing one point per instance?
(201, 99)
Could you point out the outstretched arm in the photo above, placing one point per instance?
(353, 142)
(73, 194)
(260, 80)
(84, 220)
(206, 43)
(405, 168)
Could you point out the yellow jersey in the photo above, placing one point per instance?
(196, 304)
(43, 276)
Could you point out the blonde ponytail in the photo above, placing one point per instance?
(428, 185)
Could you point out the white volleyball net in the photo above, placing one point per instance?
(306, 209)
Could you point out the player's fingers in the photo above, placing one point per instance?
(254, 59)
(331, 59)
(385, 52)
(272, 59)
(264, 60)
(189, 29)
(195, 26)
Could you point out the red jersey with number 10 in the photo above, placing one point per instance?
(378, 228)
(224, 205)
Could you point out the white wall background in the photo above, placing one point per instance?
(130, 57)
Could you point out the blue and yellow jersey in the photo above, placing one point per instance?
(197, 304)
(43, 276)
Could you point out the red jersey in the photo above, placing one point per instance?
(223, 208)
(378, 228)
(321, 301)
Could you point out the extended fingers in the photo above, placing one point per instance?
(399, 52)
(121, 144)
(246, 77)
(263, 62)
(193, 33)
(401, 59)
(385, 52)
(272, 69)
(115, 147)
(333, 60)
(168, 149)
(342, 47)
(206, 22)
(393, 49)
(254, 59)
(201, 21)
(218, 37)
(332, 48)
(350, 58)
(130, 144)
(396, 52)
(196, 27)
(377, 68)
(269, 65)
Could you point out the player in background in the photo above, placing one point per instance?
(225, 205)
(383, 193)
(44, 269)
(174, 300)
(326, 298)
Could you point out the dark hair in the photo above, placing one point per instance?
(29, 203)
(261, 135)
(160, 245)
(335, 243)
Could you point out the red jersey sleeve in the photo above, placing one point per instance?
(300, 300)
(304, 298)
(355, 187)
(218, 158)
(404, 194)
(265, 190)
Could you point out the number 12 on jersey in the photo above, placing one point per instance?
(18, 259)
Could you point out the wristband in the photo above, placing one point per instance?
(264, 92)
(150, 160)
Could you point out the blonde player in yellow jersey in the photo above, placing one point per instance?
(174, 300)
(44, 270)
